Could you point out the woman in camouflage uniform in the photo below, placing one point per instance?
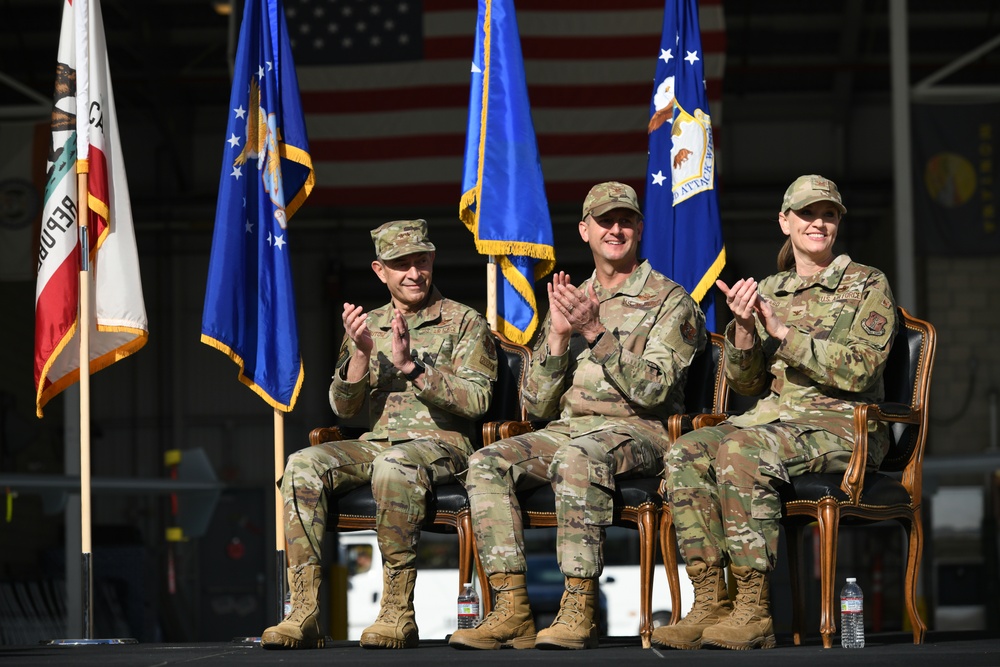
(811, 341)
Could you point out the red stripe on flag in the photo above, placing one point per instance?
(442, 97)
(434, 194)
(422, 146)
(589, 78)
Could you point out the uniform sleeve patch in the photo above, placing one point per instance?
(874, 320)
(689, 333)
(484, 359)
(344, 352)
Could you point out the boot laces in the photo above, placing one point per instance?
(298, 611)
(704, 594)
(390, 613)
(746, 606)
(571, 609)
(501, 610)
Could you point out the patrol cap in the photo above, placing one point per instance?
(401, 237)
(604, 197)
(810, 189)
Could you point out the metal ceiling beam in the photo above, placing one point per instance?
(927, 90)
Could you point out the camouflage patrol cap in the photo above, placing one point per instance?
(401, 237)
(604, 197)
(810, 189)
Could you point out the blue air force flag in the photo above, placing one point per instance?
(682, 235)
(503, 200)
(266, 176)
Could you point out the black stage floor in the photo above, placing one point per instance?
(952, 649)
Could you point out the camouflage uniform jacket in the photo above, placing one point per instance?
(454, 344)
(842, 321)
(635, 370)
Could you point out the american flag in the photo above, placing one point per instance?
(385, 90)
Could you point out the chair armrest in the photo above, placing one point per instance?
(493, 431)
(678, 425)
(325, 434)
(854, 476)
(700, 421)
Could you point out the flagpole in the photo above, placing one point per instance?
(84, 328)
(281, 563)
(491, 292)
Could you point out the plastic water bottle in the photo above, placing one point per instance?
(468, 607)
(852, 615)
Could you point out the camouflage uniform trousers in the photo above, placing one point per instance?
(582, 471)
(401, 475)
(722, 484)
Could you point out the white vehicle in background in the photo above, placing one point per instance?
(435, 595)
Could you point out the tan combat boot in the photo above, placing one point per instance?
(300, 628)
(575, 625)
(749, 626)
(396, 625)
(509, 624)
(711, 605)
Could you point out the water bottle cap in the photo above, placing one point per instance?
(468, 583)
(850, 579)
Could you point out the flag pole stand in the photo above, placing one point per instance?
(86, 555)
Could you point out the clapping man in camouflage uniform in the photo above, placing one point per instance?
(426, 365)
(812, 341)
(609, 366)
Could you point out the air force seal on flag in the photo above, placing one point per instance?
(692, 157)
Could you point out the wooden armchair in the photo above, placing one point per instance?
(448, 511)
(862, 497)
(637, 501)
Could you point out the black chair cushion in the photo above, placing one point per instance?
(629, 493)
(447, 499)
(879, 489)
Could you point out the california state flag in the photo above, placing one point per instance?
(85, 140)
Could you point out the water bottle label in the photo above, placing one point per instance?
(851, 605)
(468, 609)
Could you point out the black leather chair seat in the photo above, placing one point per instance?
(629, 493)
(447, 499)
(878, 489)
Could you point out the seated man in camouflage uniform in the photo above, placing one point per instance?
(427, 365)
(610, 365)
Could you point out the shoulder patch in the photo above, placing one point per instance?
(344, 352)
(689, 333)
(484, 359)
(874, 324)
(874, 321)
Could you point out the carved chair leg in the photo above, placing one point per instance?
(915, 532)
(646, 522)
(828, 515)
(668, 548)
(793, 534)
(468, 556)
(465, 560)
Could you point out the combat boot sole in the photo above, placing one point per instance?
(766, 641)
(573, 644)
(490, 644)
(279, 641)
(375, 640)
(679, 645)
